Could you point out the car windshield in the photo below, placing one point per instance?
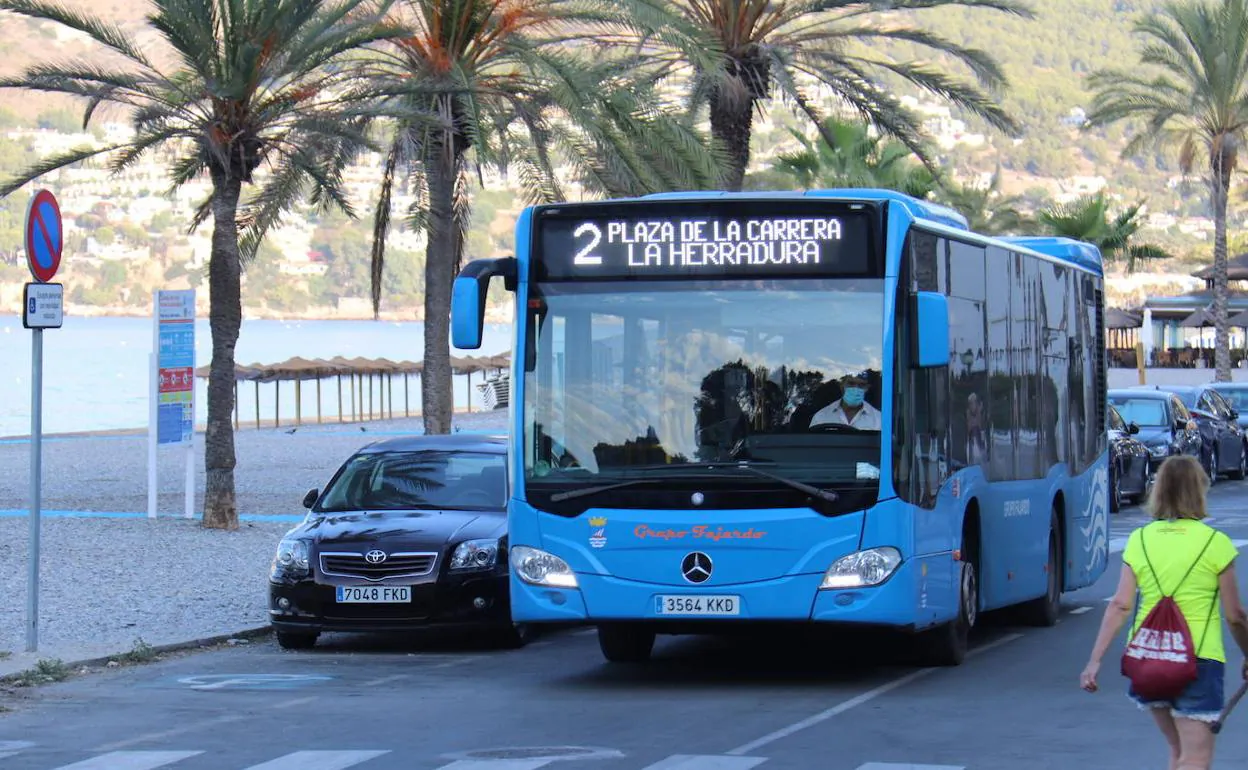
(413, 480)
(637, 377)
(1142, 411)
(1237, 396)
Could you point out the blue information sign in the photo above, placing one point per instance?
(175, 366)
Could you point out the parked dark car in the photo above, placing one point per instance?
(1224, 450)
(409, 533)
(1237, 394)
(1166, 425)
(1128, 462)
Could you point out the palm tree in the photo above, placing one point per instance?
(855, 158)
(1190, 92)
(1087, 219)
(738, 52)
(985, 209)
(250, 83)
(512, 91)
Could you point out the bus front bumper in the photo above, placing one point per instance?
(601, 598)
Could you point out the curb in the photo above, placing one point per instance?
(254, 632)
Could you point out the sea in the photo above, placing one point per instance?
(96, 370)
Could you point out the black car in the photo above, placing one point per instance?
(1224, 449)
(409, 533)
(1237, 394)
(1128, 462)
(1166, 426)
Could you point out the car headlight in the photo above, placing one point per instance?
(541, 568)
(475, 554)
(291, 559)
(864, 568)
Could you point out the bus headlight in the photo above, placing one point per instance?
(541, 568)
(864, 568)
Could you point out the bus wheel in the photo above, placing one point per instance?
(1044, 611)
(625, 644)
(947, 645)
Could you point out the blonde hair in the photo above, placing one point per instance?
(1179, 490)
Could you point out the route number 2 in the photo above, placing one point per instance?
(583, 257)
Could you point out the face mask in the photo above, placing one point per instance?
(853, 396)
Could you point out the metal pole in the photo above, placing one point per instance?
(407, 410)
(339, 398)
(298, 401)
(318, 399)
(36, 478)
(257, 404)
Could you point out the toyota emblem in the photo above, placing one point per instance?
(696, 567)
(375, 557)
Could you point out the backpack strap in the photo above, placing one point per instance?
(1144, 548)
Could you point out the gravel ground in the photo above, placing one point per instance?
(107, 581)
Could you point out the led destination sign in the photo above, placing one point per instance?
(667, 244)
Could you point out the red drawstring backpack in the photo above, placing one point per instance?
(1160, 660)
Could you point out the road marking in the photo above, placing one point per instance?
(706, 762)
(150, 737)
(1080, 610)
(896, 766)
(856, 701)
(497, 764)
(13, 748)
(252, 681)
(293, 702)
(386, 680)
(319, 760)
(131, 760)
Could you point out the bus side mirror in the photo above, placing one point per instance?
(468, 298)
(930, 316)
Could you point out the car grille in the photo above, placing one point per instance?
(396, 565)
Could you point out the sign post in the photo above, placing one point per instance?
(43, 307)
(172, 389)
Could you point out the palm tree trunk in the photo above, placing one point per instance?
(225, 314)
(731, 124)
(435, 382)
(1221, 191)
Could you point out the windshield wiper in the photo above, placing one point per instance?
(822, 494)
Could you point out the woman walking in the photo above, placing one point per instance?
(1179, 555)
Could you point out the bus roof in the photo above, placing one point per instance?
(1068, 250)
(919, 209)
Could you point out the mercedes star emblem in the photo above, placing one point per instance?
(375, 557)
(696, 567)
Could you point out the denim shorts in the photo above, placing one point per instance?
(1202, 700)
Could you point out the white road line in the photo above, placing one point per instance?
(706, 762)
(386, 680)
(858, 700)
(13, 748)
(156, 736)
(1080, 610)
(496, 764)
(131, 760)
(318, 760)
(293, 702)
(903, 766)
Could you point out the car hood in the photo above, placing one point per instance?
(1152, 436)
(423, 528)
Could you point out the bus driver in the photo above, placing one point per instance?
(851, 408)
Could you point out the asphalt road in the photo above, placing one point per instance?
(436, 702)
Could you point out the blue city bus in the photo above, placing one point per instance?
(830, 407)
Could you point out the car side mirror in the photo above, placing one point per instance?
(1133, 428)
(310, 498)
(1234, 414)
(930, 319)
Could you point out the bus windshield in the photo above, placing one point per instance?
(632, 378)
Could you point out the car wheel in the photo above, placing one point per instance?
(1241, 472)
(1115, 490)
(515, 636)
(1045, 610)
(1146, 480)
(625, 644)
(296, 640)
